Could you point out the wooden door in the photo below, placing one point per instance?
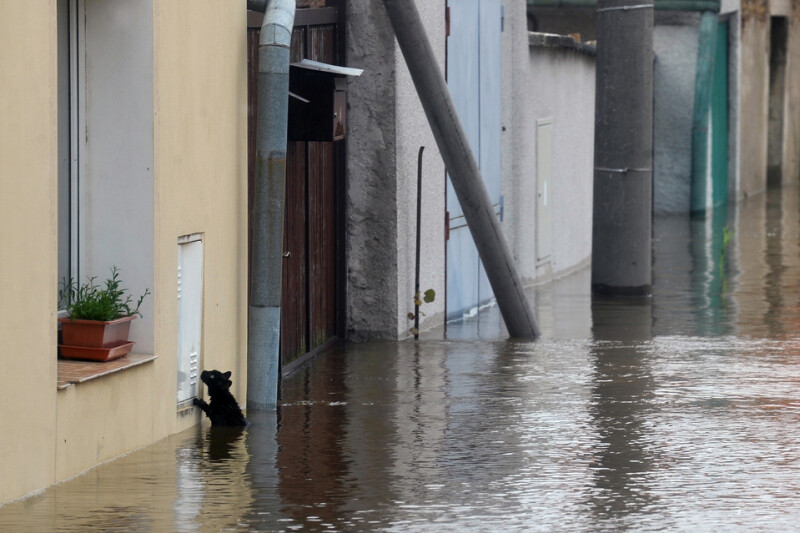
(311, 300)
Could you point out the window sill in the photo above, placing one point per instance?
(74, 372)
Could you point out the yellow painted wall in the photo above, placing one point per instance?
(200, 186)
(27, 245)
(201, 178)
(103, 418)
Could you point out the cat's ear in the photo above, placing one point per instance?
(227, 375)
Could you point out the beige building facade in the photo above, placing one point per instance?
(123, 138)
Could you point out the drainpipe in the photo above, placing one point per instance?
(264, 320)
(701, 157)
(464, 173)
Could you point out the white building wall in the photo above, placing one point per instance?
(412, 132)
(558, 84)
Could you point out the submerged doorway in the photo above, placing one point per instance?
(779, 37)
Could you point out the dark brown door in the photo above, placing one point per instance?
(312, 227)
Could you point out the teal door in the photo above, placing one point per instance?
(474, 77)
(719, 120)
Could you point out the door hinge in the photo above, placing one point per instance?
(447, 225)
(447, 21)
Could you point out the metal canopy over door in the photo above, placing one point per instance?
(310, 307)
(474, 77)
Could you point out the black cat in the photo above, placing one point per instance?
(223, 409)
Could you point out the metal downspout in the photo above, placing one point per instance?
(264, 319)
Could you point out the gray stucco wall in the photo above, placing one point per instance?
(371, 176)
(675, 41)
(386, 126)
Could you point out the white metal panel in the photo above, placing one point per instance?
(474, 77)
(190, 315)
(491, 88)
(491, 75)
(463, 78)
(544, 174)
(462, 272)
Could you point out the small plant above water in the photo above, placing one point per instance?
(92, 301)
(428, 297)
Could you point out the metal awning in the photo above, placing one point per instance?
(327, 67)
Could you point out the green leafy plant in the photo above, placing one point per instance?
(92, 301)
(726, 239)
(428, 297)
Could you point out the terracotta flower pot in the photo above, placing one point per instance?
(100, 341)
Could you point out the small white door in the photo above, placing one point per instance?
(544, 174)
(190, 314)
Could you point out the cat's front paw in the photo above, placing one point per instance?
(197, 402)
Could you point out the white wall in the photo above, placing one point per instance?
(557, 83)
(412, 132)
(116, 178)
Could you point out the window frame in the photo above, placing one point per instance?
(75, 42)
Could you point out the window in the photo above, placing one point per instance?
(68, 94)
(105, 147)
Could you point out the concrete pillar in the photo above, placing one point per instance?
(623, 205)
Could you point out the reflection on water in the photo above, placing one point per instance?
(678, 412)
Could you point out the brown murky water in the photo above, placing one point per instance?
(679, 412)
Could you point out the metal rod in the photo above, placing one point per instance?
(624, 8)
(419, 231)
(464, 173)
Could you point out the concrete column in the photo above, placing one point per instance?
(621, 239)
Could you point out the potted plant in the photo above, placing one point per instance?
(98, 318)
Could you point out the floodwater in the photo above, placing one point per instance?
(679, 412)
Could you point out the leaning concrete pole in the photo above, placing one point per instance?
(623, 156)
(464, 173)
(264, 317)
